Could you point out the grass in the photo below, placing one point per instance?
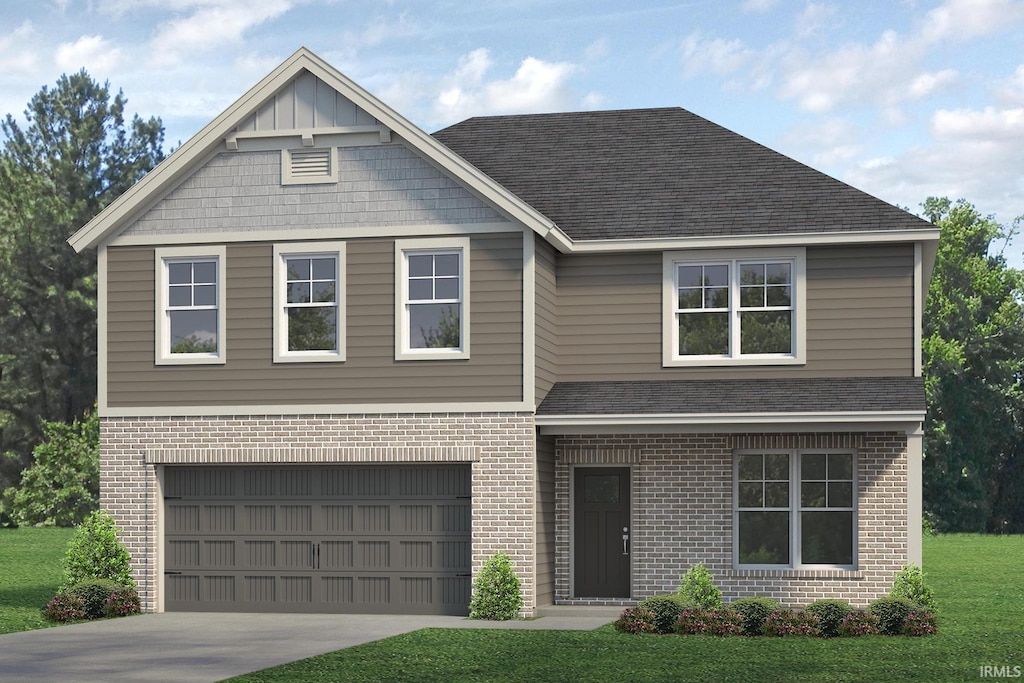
(30, 571)
(977, 580)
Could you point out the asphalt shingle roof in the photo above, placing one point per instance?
(690, 397)
(658, 173)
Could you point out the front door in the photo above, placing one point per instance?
(602, 532)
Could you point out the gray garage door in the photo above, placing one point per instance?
(346, 539)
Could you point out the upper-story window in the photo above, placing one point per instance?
(309, 302)
(190, 315)
(795, 509)
(730, 307)
(432, 299)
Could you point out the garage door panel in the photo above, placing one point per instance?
(358, 539)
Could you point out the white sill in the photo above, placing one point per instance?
(190, 359)
(313, 357)
(719, 361)
(432, 354)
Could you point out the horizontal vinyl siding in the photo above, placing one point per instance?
(369, 375)
(860, 320)
(546, 337)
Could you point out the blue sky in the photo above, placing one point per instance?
(904, 99)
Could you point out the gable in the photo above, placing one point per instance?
(306, 102)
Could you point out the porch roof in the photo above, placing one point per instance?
(751, 397)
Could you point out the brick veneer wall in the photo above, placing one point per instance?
(500, 447)
(682, 513)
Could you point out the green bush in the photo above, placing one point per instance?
(665, 608)
(496, 593)
(891, 613)
(96, 553)
(754, 611)
(122, 602)
(64, 608)
(784, 622)
(636, 620)
(830, 615)
(859, 623)
(698, 588)
(909, 583)
(94, 594)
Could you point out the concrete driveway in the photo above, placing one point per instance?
(198, 647)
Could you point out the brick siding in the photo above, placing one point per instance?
(500, 447)
(682, 513)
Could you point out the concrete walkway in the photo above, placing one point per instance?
(197, 647)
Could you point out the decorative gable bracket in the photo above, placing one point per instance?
(337, 136)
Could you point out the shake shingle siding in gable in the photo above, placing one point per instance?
(659, 173)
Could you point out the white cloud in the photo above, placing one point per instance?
(596, 50)
(987, 125)
(831, 142)
(536, 86)
(967, 19)
(211, 24)
(95, 54)
(758, 5)
(815, 16)
(1011, 91)
(713, 56)
(16, 53)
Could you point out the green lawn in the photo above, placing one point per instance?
(977, 579)
(30, 570)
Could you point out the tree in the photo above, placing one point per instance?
(973, 354)
(74, 156)
(62, 486)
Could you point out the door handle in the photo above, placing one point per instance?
(625, 540)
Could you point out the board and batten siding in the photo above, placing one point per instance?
(546, 332)
(860, 317)
(494, 372)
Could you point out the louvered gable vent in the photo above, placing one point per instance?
(309, 166)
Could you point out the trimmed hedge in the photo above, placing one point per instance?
(666, 609)
(830, 615)
(891, 613)
(754, 611)
(94, 593)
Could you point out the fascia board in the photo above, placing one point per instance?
(731, 418)
(924, 235)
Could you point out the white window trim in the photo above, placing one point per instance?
(670, 333)
(795, 508)
(307, 249)
(429, 245)
(165, 255)
(288, 178)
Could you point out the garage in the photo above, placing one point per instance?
(361, 539)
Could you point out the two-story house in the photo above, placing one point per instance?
(342, 361)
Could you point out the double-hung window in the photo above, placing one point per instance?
(432, 299)
(190, 311)
(795, 509)
(309, 302)
(731, 307)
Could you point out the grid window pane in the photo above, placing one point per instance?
(421, 265)
(812, 494)
(421, 290)
(716, 297)
(298, 293)
(690, 276)
(691, 298)
(750, 467)
(446, 265)
(840, 466)
(193, 331)
(179, 273)
(840, 494)
(323, 269)
(779, 296)
(204, 295)
(204, 272)
(716, 276)
(778, 273)
(323, 292)
(298, 269)
(766, 332)
(776, 466)
(434, 326)
(752, 274)
(776, 494)
(446, 288)
(751, 494)
(812, 466)
(179, 295)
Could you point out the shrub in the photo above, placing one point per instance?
(666, 609)
(122, 602)
(496, 594)
(636, 620)
(830, 615)
(784, 622)
(94, 594)
(909, 583)
(64, 608)
(859, 623)
(920, 622)
(715, 622)
(699, 589)
(891, 613)
(754, 611)
(96, 553)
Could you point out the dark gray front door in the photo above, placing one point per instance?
(602, 532)
(344, 539)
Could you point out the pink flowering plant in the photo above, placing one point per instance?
(786, 623)
(859, 623)
(714, 622)
(636, 620)
(122, 603)
(64, 608)
(920, 622)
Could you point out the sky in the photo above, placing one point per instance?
(904, 99)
